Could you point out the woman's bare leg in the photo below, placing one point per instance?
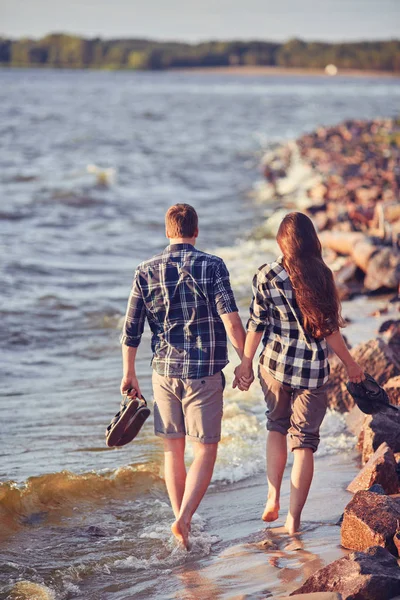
(301, 478)
(276, 463)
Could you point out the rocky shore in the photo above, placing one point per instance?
(347, 179)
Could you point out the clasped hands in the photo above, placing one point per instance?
(244, 376)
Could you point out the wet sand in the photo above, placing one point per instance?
(252, 560)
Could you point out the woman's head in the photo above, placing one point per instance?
(311, 279)
(297, 237)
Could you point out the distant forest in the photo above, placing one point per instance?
(71, 52)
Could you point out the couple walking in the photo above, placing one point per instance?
(186, 296)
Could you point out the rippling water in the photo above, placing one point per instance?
(68, 250)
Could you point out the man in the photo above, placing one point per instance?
(186, 297)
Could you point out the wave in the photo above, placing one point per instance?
(57, 494)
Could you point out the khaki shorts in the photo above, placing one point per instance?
(189, 407)
(294, 412)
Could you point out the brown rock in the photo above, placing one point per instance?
(381, 468)
(381, 427)
(375, 357)
(383, 270)
(370, 575)
(355, 420)
(392, 388)
(370, 520)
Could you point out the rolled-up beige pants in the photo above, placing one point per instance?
(294, 412)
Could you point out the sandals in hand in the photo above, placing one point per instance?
(127, 423)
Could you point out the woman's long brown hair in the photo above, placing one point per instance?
(311, 279)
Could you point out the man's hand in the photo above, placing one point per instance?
(130, 383)
(244, 377)
(354, 372)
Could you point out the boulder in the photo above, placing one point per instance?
(370, 575)
(375, 357)
(390, 332)
(380, 469)
(392, 388)
(354, 420)
(383, 270)
(370, 520)
(381, 427)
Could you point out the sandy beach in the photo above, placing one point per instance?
(265, 71)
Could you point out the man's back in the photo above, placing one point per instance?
(182, 292)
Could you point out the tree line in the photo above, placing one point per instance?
(72, 52)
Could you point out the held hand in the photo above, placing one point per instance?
(355, 372)
(130, 383)
(244, 377)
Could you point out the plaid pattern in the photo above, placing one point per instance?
(182, 292)
(291, 355)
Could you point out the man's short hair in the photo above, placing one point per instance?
(181, 221)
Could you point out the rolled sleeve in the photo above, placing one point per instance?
(224, 298)
(135, 316)
(259, 307)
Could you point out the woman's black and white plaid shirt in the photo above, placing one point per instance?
(182, 292)
(290, 354)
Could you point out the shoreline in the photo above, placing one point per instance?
(243, 71)
(269, 71)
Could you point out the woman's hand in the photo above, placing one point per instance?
(244, 376)
(354, 372)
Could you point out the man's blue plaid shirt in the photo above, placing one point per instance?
(182, 292)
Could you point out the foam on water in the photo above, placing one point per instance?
(166, 553)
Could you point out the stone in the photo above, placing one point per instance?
(370, 575)
(375, 357)
(383, 270)
(354, 420)
(370, 520)
(381, 427)
(380, 469)
(377, 489)
(392, 388)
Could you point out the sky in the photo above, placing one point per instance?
(196, 20)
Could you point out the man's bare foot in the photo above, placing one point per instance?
(181, 532)
(271, 512)
(292, 525)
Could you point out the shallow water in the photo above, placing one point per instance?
(69, 248)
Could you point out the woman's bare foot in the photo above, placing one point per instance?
(181, 532)
(292, 525)
(271, 512)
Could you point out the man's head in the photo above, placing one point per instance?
(181, 222)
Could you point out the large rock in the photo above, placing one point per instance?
(383, 270)
(355, 420)
(370, 520)
(381, 468)
(392, 388)
(370, 575)
(375, 357)
(381, 427)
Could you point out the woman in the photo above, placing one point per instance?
(295, 308)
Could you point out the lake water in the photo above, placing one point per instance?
(69, 248)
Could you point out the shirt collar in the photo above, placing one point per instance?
(175, 247)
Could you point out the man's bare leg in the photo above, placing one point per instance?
(197, 482)
(301, 478)
(175, 471)
(276, 463)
